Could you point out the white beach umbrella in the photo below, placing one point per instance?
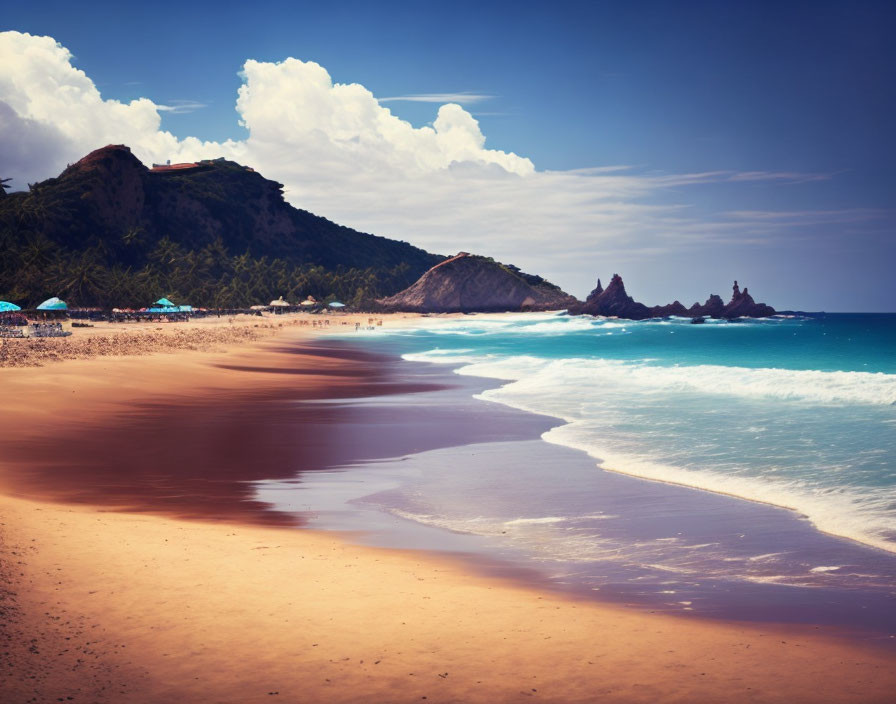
(53, 304)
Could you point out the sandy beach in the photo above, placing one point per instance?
(122, 583)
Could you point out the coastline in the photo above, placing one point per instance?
(152, 603)
(485, 496)
(853, 511)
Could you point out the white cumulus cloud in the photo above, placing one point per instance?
(53, 114)
(295, 104)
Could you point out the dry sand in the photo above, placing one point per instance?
(104, 339)
(109, 606)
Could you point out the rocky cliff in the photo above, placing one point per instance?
(613, 301)
(119, 216)
(110, 194)
(467, 283)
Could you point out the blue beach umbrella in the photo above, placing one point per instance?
(163, 302)
(337, 304)
(53, 303)
(7, 307)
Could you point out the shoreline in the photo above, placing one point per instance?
(642, 557)
(840, 520)
(865, 544)
(168, 582)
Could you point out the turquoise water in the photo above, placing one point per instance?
(797, 412)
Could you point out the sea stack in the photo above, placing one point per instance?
(614, 301)
(743, 305)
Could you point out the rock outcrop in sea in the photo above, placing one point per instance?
(613, 301)
(468, 283)
(742, 305)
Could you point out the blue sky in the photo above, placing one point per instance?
(800, 92)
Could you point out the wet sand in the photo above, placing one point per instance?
(195, 456)
(108, 595)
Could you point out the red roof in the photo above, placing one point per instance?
(173, 167)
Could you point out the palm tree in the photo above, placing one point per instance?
(38, 252)
(166, 252)
(83, 278)
(132, 236)
(4, 184)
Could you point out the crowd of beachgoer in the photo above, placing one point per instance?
(37, 352)
(372, 324)
(137, 340)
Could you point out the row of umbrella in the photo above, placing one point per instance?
(53, 303)
(163, 305)
(280, 303)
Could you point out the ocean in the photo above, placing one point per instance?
(768, 448)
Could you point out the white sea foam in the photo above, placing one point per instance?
(452, 352)
(583, 391)
(808, 386)
(542, 325)
(765, 556)
(546, 519)
(540, 537)
(453, 357)
(802, 385)
(861, 514)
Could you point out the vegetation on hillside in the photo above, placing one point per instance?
(34, 268)
(108, 232)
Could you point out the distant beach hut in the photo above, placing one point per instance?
(279, 303)
(337, 304)
(53, 303)
(7, 307)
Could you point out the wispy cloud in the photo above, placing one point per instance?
(181, 106)
(791, 176)
(660, 180)
(465, 98)
(801, 218)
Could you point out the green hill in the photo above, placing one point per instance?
(110, 232)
